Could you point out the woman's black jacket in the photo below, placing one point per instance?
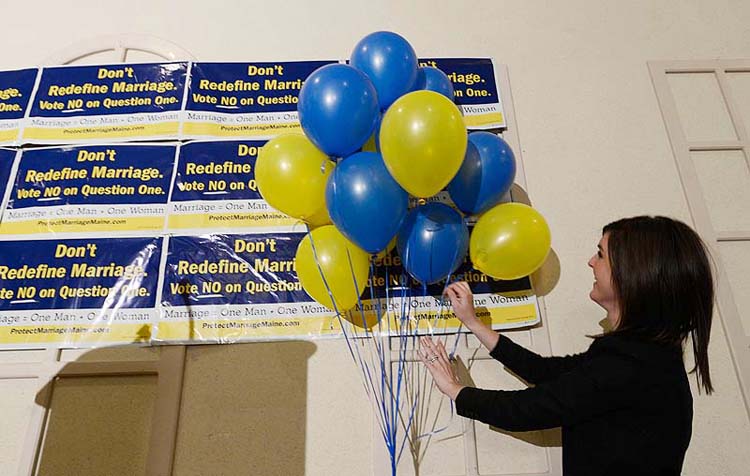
(624, 405)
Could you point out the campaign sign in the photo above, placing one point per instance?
(227, 288)
(80, 292)
(107, 102)
(15, 93)
(215, 189)
(253, 100)
(475, 89)
(394, 293)
(96, 188)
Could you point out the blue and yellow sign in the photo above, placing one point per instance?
(15, 95)
(251, 100)
(215, 189)
(96, 188)
(76, 104)
(78, 292)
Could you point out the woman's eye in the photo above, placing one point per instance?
(599, 254)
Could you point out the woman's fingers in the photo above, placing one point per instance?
(442, 354)
(450, 291)
(441, 348)
(446, 363)
(428, 349)
(427, 359)
(423, 356)
(435, 358)
(465, 290)
(458, 287)
(433, 350)
(436, 350)
(455, 297)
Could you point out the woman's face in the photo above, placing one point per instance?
(603, 292)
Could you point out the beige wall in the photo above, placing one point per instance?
(593, 144)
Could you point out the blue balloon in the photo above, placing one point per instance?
(389, 61)
(338, 108)
(486, 173)
(433, 242)
(365, 202)
(433, 79)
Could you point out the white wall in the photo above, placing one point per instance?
(593, 140)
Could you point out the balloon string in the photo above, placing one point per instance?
(367, 377)
(387, 396)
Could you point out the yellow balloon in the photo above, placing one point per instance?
(423, 142)
(509, 241)
(391, 245)
(320, 218)
(371, 145)
(366, 319)
(344, 266)
(291, 174)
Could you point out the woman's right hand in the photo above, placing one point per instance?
(462, 301)
(463, 305)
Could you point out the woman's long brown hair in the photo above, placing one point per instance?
(662, 276)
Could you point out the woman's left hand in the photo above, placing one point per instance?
(435, 358)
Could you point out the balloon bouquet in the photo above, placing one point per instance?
(376, 131)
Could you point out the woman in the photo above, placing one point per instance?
(624, 405)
